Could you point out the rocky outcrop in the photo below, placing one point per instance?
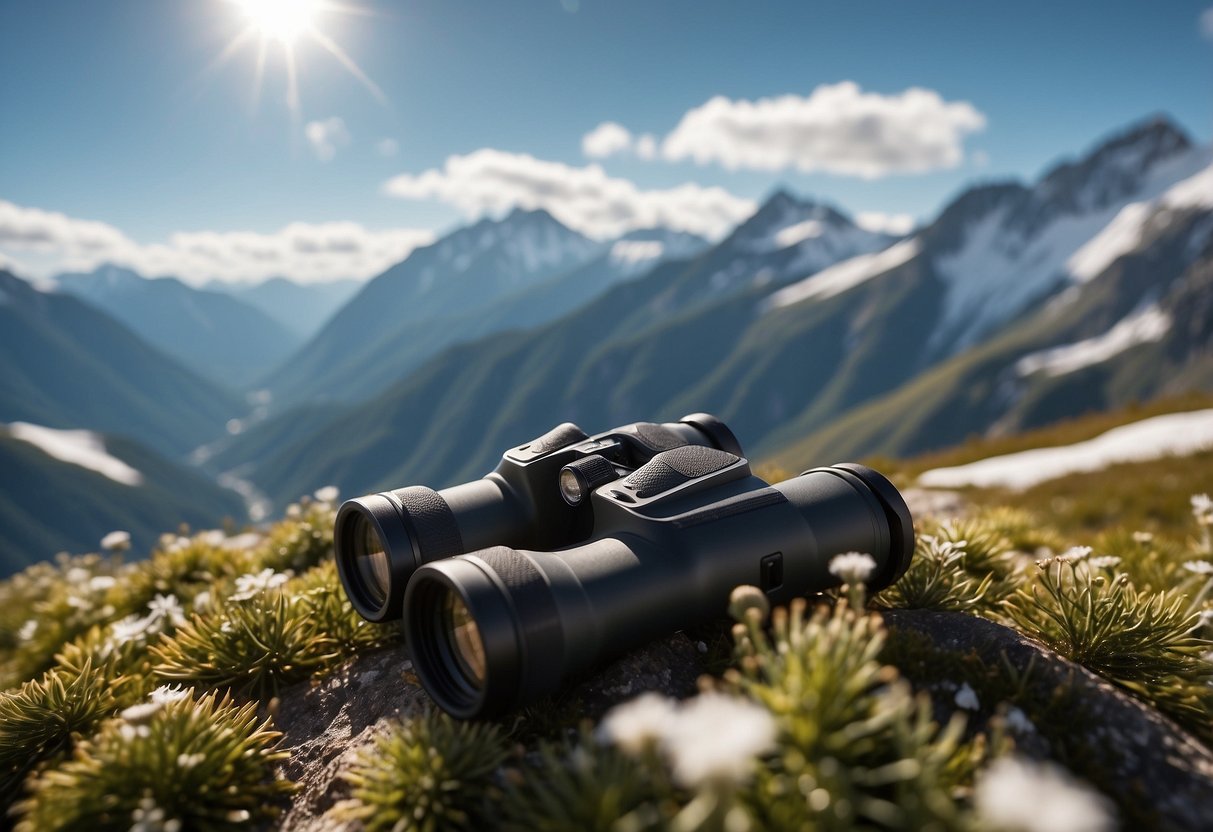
(326, 723)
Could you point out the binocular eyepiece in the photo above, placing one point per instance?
(576, 549)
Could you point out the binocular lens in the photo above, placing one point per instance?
(370, 559)
(463, 640)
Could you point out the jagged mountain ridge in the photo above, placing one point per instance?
(733, 331)
(215, 334)
(1140, 328)
(462, 274)
(620, 357)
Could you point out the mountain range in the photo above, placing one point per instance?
(1017, 305)
(796, 321)
(213, 333)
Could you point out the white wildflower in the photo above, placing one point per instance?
(1202, 509)
(101, 583)
(117, 541)
(294, 511)
(715, 739)
(966, 698)
(852, 567)
(77, 575)
(1144, 538)
(132, 628)
(254, 583)
(202, 600)
(1018, 723)
(28, 629)
(166, 608)
(1075, 554)
(1017, 794)
(169, 693)
(946, 552)
(79, 602)
(328, 494)
(142, 713)
(1103, 562)
(638, 723)
(1200, 567)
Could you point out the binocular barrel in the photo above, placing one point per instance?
(497, 628)
(381, 539)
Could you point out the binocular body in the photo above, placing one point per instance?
(648, 551)
(381, 539)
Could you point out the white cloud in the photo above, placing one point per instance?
(646, 146)
(387, 147)
(883, 223)
(325, 137)
(491, 181)
(606, 139)
(1206, 23)
(302, 251)
(838, 128)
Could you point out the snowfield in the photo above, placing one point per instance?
(1175, 434)
(78, 447)
(1143, 326)
(842, 276)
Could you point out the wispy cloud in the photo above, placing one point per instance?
(326, 137)
(491, 181)
(606, 139)
(1206, 23)
(387, 147)
(302, 251)
(838, 128)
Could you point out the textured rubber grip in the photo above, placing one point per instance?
(538, 621)
(670, 469)
(558, 437)
(432, 522)
(658, 438)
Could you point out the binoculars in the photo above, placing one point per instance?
(576, 549)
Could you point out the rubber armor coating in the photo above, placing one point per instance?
(436, 531)
(670, 469)
(558, 437)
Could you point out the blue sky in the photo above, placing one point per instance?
(112, 115)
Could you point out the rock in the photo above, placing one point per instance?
(326, 722)
(1140, 756)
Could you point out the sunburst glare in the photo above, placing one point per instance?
(284, 24)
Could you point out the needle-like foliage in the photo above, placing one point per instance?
(197, 764)
(427, 774)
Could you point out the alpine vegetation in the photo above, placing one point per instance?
(144, 695)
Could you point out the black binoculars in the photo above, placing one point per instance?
(576, 549)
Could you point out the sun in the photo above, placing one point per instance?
(284, 24)
(281, 20)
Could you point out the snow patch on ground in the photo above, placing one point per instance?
(78, 447)
(1143, 326)
(845, 275)
(1175, 434)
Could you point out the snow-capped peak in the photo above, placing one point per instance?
(1029, 241)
